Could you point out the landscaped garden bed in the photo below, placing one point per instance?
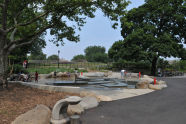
(19, 99)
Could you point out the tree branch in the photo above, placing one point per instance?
(149, 59)
(13, 33)
(35, 34)
(2, 5)
(28, 23)
(22, 44)
(19, 41)
(33, 20)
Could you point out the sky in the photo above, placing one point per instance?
(97, 31)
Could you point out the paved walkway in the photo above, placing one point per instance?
(167, 106)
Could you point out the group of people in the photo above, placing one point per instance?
(25, 65)
(27, 77)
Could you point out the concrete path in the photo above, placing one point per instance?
(167, 106)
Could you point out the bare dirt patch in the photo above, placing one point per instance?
(19, 99)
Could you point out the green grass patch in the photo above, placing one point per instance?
(48, 70)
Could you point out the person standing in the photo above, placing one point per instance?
(26, 63)
(122, 73)
(36, 76)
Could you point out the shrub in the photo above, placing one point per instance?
(128, 64)
(17, 69)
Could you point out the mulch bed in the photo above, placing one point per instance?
(19, 99)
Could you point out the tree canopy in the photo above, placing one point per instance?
(79, 58)
(154, 29)
(23, 21)
(96, 54)
(20, 54)
(53, 57)
(38, 56)
(182, 54)
(29, 19)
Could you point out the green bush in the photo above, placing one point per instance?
(52, 69)
(128, 64)
(163, 64)
(82, 70)
(183, 65)
(177, 66)
(17, 69)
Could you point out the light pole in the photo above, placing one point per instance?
(58, 58)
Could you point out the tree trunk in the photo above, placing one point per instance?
(3, 69)
(154, 66)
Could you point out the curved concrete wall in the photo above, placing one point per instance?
(68, 89)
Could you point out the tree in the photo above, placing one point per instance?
(35, 49)
(163, 64)
(23, 21)
(38, 56)
(120, 50)
(79, 58)
(96, 54)
(53, 57)
(153, 30)
(182, 54)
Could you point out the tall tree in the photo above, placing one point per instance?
(96, 54)
(79, 58)
(53, 57)
(22, 21)
(154, 29)
(182, 54)
(37, 56)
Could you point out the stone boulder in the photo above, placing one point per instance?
(91, 94)
(144, 82)
(161, 82)
(51, 75)
(60, 74)
(86, 93)
(103, 98)
(73, 99)
(155, 87)
(147, 79)
(75, 109)
(39, 115)
(109, 73)
(106, 74)
(146, 76)
(43, 76)
(89, 102)
(142, 85)
(98, 97)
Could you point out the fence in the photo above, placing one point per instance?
(65, 64)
